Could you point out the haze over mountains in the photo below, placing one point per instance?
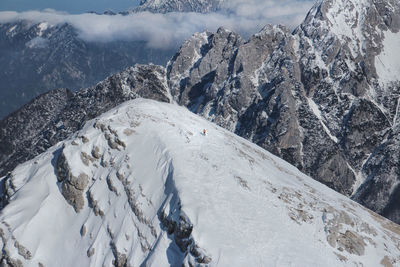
(323, 97)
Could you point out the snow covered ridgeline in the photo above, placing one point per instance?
(142, 185)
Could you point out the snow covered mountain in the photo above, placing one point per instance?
(37, 57)
(142, 186)
(324, 97)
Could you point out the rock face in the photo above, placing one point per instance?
(324, 97)
(39, 57)
(316, 97)
(72, 187)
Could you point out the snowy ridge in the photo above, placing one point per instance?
(140, 185)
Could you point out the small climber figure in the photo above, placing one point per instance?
(204, 132)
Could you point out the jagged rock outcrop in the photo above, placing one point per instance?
(342, 47)
(72, 187)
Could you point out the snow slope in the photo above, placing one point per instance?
(141, 186)
(388, 62)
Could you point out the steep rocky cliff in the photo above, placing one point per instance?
(324, 97)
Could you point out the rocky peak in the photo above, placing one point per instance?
(207, 63)
(342, 48)
(350, 34)
(315, 97)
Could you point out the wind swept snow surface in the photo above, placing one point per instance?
(142, 186)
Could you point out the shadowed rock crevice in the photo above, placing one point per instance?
(178, 227)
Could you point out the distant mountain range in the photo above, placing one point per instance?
(165, 6)
(35, 58)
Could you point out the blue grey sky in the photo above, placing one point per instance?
(70, 6)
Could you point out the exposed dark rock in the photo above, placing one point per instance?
(72, 188)
(178, 225)
(83, 230)
(23, 251)
(96, 152)
(90, 252)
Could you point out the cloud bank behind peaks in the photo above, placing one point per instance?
(169, 30)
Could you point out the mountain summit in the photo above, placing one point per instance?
(142, 185)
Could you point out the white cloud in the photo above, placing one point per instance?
(167, 30)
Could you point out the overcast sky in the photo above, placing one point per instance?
(70, 6)
(161, 30)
